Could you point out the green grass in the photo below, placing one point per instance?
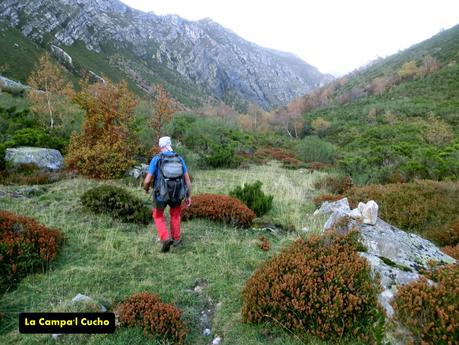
(109, 260)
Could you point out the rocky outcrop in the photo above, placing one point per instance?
(46, 159)
(208, 56)
(396, 256)
(11, 86)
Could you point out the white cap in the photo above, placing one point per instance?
(165, 142)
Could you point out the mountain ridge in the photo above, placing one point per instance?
(210, 58)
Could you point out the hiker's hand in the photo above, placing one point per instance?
(188, 202)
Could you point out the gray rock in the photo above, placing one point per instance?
(11, 86)
(206, 332)
(86, 299)
(63, 57)
(328, 207)
(139, 171)
(46, 159)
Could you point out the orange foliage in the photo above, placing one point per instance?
(157, 318)
(264, 243)
(164, 111)
(319, 200)
(106, 145)
(288, 159)
(220, 208)
(334, 184)
(25, 246)
(423, 206)
(431, 312)
(320, 286)
(452, 251)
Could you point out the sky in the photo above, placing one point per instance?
(334, 36)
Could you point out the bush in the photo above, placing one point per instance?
(160, 319)
(107, 142)
(288, 159)
(334, 184)
(264, 243)
(221, 208)
(448, 236)
(221, 156)
(254, 198)
(320, 286)
(319, 200)
(452, 251)
(117, 202)
(25, 246)
(431, 311)
(422, 206)
(313, 149)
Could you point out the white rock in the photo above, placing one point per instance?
(370, 212)
(206, 332)
(330, 207)
(216, 341)
(355, 213)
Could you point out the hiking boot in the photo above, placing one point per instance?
(166, 245)
(178, 242)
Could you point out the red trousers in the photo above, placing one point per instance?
(160, 222)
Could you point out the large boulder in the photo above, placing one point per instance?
(396, 256)
(46, 159)
(139, 171)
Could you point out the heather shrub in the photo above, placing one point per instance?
(320, 199)
(25, 246)
(447, 236)
(452, 251)
(264, 243)
(220, 208)
(288, 159)
(221, 156)
(431, 311)
(334, 184)
(421, 206)
(320, 286)
(117, 202)
(162, 320)
(254, 198)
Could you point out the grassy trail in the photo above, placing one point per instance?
(109, 261)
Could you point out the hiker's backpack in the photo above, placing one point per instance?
(171, 185)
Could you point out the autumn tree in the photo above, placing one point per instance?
(320, 126)
(163, 111)
(408, 71)
(50, 94)
(105, 146)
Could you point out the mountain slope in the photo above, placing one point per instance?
(397, 119)
(194, 58)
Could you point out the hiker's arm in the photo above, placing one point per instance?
(188, 183)
(147, 182)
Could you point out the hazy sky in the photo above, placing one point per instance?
(332, 35)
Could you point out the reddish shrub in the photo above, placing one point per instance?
(319, 166)
(334, 184)
(320, 286)
(264, 243)
(318, 200)
(431, 312)
(25, 246)
(448, 235)
(422, 206)
(288, 159)
(220, 208)
(157, 318)
(452, 251)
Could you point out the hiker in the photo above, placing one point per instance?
(171, 186)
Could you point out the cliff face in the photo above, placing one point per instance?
(201, 53)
